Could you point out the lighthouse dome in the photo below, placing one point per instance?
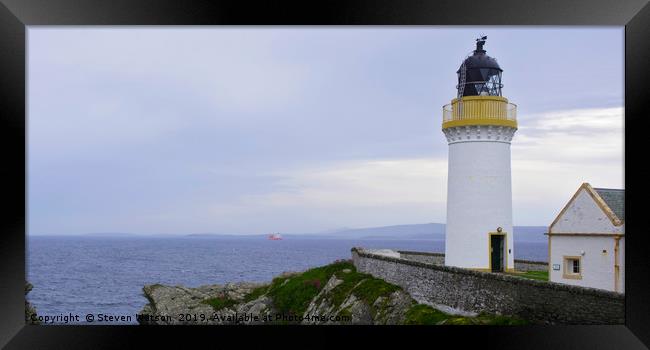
(479, 74)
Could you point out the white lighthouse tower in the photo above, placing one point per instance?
(479, 125)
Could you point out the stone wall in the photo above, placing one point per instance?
(439, 259)
(527, 265)
(431, 258)
(472, 291)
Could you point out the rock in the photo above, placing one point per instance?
(320, 305)
(385, 310)
(261, 307)
(392, 310)
(181, 305)
(285, 282)
(288, 274)
(357, 309)
(30, 311)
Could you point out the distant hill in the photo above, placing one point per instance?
(434, 231)
(530, 233)
(416, 231)
(428, 231)
(224, 235)
(110, 234)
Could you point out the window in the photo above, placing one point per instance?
(572, 267)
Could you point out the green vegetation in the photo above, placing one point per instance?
(533, 275)
(292, 295)
(256, 293)
(361, 285)
(345, 313)
(220, 302)
(424, 314)
(537, 275)
(420, 314)
(372, 288)
(224, 301)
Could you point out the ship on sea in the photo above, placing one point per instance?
(275, 237)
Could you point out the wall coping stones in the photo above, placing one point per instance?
(523, 261)
(420, 253)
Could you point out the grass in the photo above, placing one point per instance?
(420, 314)
(363, 286)
(292, 295)
(224, 301)
(256, 293)
(345, 313)
(220, 302)
(533, 275)
(372, 288)
(424, 314)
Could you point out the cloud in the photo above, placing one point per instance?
(362, 193)
(369, 183)
(554, 152)
(566, 138)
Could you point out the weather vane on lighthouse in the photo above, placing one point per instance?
(480, 42)
(479, 125)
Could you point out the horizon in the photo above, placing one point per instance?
(326, 232)
(300, 129)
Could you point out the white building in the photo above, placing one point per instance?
(586, 242)
(479, 125)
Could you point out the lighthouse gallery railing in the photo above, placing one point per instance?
(479, 108)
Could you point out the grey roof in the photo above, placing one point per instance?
(615, 200)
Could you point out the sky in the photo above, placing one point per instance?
(245, 130)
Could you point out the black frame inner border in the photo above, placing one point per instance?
(16, 15)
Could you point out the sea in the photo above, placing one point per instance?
(81, 275)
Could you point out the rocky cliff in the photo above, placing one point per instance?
(331, 294)
(30, 311)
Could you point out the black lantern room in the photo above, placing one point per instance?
(480, 74)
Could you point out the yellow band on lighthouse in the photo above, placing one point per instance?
(479, 110)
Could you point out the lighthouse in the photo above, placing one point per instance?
(479, 125)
